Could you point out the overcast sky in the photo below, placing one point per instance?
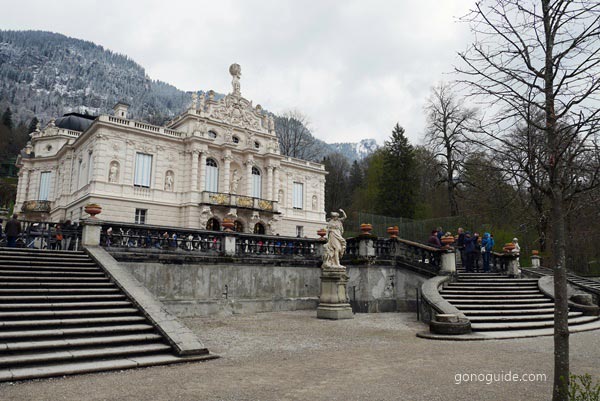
(355, 68)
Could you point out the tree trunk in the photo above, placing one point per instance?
(561, 306)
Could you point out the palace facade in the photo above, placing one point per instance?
(218, 159)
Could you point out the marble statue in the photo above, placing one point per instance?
(113, 172)
(236, 72)
(169, 181)
(235, 181)
(194, 101)
(334, 249)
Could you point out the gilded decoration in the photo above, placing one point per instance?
(265, 205)
(244, 201)
(219, 199)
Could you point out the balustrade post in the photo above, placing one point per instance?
(448, 262)
(90, 235)
(366, 246)
(229, 247)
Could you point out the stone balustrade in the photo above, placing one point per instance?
(238, 201)
(143, 126)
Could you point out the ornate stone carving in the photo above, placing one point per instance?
(205, 215)
(314, 202)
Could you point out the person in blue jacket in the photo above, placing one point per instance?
(487, 244)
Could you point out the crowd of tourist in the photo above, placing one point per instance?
(475, 250)
(57, 236)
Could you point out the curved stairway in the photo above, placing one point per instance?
(496, 303)
(61, 314)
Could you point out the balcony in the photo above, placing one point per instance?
(36, 206)
(238, 201)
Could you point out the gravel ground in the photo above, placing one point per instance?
(294, 356)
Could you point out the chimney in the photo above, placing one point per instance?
(120, 109)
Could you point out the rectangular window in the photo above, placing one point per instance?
(298, 201)
(299, 231)
(140, 216)
(45, 185)
(143, 170)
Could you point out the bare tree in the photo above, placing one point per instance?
(543, 56)
(295, 138)
(447, 123)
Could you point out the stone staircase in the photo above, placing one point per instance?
(60, 314)
(496, 303)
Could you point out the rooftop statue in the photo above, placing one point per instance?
(236, 72)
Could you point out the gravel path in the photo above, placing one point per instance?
(294, 356)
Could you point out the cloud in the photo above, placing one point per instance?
(354, 67)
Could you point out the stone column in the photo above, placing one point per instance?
(194, 183)
(248, 178)
(535, 261)
(226, 171)
(202, 171)
(270, 182)
(276, 188)
(365, 246)
(90, 235)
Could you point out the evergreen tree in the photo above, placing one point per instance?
(397, 183)
(356, 176)
(32, 125)
(336, 185)
(7, 118)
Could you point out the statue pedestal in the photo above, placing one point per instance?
(333, 302)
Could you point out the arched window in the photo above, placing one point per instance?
(213, 224)
(256, 183)
(259, 229)
(238, 227)
(211, 183)
(212, 134)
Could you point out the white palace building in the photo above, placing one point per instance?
(218, 159)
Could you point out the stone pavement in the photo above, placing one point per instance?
(294, 356)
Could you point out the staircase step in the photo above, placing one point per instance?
(480, 305)
(501, 297)
(490, 312)
(83, 279)
(522, 301)
(8, 325)
(55, 284)
(62, 305)
(47, 262)
(460, 286)
(66, 313)
(95, 366)
(48, 272)
(107, 352)
(41, 252)
(58, 291)
(529, 325)
(91, 331)
(46, 258)
(484, 291)
(49, 266)
(51, 298)
(483, 281)
(79, 342)
(516, 318)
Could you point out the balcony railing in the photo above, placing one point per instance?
(39, 206)
(241, 201)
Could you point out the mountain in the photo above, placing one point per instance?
(45, 74)
(355, 151)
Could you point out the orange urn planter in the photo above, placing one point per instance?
(393, 231)
(508, 247)
(535, 252)
(93, 209)
(321, 233)
(228, 224)
(447, 239)
(366, 229)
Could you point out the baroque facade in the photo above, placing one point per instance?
(218, 159)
